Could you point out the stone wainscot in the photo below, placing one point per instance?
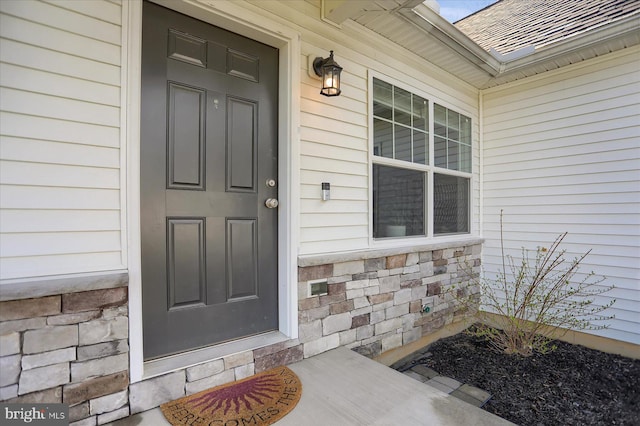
(73, 347)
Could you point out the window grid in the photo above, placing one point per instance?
(410, 119)
(442, 213)
(452, 139)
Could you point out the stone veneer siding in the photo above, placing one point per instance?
(73, 348)
(68, 348)
(375, 303)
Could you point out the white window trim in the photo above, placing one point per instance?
(430, 169)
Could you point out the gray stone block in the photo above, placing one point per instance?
(374, 264)
(107, 403)
(377, 316)
(425, 371)
(357, 292)
(66, 319)
(382, 306)
(412, 259)
(9, 344)
(397, 311)
(448, 381)
(335, 323)
(364, 332)
(245, 371)
(323, 344)
(347, 337)
(102, 350)
(238, 360)
(48, 358)
(113, 416)
(47, 396)
(372, 289)
(153, 392)
(411, 269)
(89, 421)
(389, 284)
(103, 330)
(78, 412)
(439, 386)
(310, 331)
(391, 342)
(466, 398)
(425, 256)
(415, 376)
(476, 393)
(9, 369)
(117, 311)
(207, 369)
(210, 382)
(346, 268)
(390, 325)
(50, 338)
(352, 285)
(361, 302)
(8, 392)
(81, 371)
(22, 325)
(43, 378)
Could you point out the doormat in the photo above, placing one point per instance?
(258, 400)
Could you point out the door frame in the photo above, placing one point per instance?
(249, 21)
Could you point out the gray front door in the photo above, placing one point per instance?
(208, 163)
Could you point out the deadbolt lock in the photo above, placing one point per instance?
(271, 183)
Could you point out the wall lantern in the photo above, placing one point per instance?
(329, 71)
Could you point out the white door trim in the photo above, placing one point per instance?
(246, 20)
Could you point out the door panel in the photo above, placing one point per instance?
(241, 145)
(186, 262)
(208, 145)
(186, 144)
(242, 257)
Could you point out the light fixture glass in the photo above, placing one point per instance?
(329, 71)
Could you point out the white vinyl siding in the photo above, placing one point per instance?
(562, 153)
(334, 132)
(333, 148)
(60, 153)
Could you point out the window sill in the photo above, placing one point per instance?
(390, 247)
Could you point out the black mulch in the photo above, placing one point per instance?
(573, 385)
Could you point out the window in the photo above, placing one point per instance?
(417, 177)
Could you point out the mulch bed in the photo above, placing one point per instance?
(573, 385)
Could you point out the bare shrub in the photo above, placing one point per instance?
(534, 299)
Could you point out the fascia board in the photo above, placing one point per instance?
(434, 24)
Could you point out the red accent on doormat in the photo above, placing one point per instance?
(258, 400)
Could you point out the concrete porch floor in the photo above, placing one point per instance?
(343, 388)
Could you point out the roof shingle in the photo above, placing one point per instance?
(509, 25)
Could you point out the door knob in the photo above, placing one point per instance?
(271, 203)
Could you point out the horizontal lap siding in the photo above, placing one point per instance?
(334, 144)
(562, 154)
(333, 148)
(60, 137)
